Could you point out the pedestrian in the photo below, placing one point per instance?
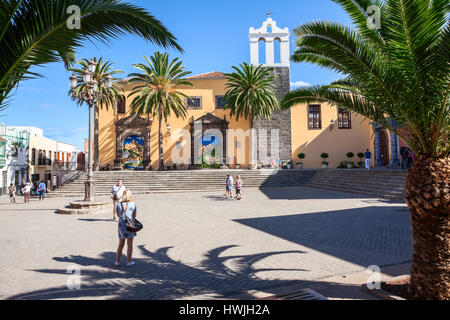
(411, 158)
(368, 157)
(125, 208)
(12, 193)
(229, 187)
(42, 189)
(404, 157)
(26, 192)
(238, 187)
(116, 195)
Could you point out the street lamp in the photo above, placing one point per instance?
(91, 94)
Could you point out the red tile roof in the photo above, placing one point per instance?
(208, 76)
(1, 139)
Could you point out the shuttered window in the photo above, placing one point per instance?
(314, 117)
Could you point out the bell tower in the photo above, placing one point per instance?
(270, 34)
(280, 123)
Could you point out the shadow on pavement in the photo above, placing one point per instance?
(157, 276)
(364, 236)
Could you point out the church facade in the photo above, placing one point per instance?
(130, 142)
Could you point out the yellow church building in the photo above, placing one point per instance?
(129, 142)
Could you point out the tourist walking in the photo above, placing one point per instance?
(12, 193)
(26, 192)
(41, 189)
(368, 157)
(125, 208)
(229, 187)
(238, 187)
(116, 195)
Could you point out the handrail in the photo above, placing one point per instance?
(76, 176)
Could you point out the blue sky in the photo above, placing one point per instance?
(214, 35)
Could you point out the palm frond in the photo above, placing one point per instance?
(35, 32)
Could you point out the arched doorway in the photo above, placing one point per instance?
(133, 134)
(133, 153)
(211, 141)
(384, 146)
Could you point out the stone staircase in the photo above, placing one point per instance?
(386, 184)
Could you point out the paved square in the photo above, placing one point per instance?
(200, 245)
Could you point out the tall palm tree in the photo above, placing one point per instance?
(398, 76)
(156, 94)
(110, 96)
(36, 32)
(250, 92)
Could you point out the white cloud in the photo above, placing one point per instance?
(297, 84)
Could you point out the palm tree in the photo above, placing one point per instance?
(250, 92)
(398, 76)
(36, 32)
(110, 96)
(155, 91)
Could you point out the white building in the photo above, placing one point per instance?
(27, 156)
(14, 143)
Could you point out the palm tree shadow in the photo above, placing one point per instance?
(159, 277)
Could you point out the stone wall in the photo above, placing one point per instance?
(279, 120)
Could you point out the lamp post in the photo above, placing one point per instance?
(90, 95)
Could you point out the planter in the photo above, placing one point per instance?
(300, 165)
(324, 166)
(289, 166)
(238, 166)
(350, 165)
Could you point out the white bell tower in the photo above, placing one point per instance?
(269, 33)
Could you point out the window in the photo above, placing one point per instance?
(220, 102)
(121, 106)
(314, 118)
(33, 157)
(194, 102)
(344, 119)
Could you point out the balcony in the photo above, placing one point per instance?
(44, 163)
(64, 166)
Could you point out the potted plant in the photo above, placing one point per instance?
(301, 156)
(350, 163)
(238, 166)
(325, 163)
(289, 164)
(360, 156)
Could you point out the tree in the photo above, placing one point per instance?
(250, 92)
(37, 32)
(110, 96)
(396, 74)
(155, 91)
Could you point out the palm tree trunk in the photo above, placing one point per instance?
(428, 197)
(96, 147)
(160, 142)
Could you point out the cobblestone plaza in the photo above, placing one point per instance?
(200, 245)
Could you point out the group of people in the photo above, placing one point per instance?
(40, 189)
(230, 184)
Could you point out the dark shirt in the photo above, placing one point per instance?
(368, 155)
